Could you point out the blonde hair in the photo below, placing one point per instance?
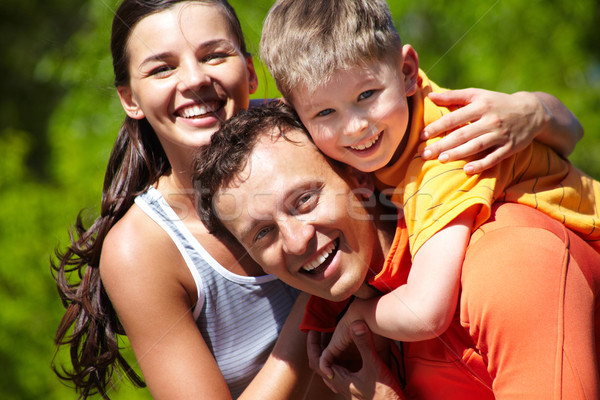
(304, 41)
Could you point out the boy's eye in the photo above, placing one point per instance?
(366, 94)
(325, 112)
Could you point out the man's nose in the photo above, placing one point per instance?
(296, 235)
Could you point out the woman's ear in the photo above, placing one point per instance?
(252, 77)
(132, 109)
(410, 69)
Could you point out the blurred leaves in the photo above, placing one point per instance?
(60, 116)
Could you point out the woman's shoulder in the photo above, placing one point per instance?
(135, 248)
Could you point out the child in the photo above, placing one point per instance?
(363, 99)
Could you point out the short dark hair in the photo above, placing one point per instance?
(219, 163)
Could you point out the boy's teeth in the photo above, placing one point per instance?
(366, 145)
(320, 259)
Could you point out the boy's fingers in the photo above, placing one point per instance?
(313, 349)
(363, 339)
(325, 364)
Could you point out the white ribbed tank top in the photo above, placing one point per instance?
(239, 317)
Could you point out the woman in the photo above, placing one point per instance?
(181, 68)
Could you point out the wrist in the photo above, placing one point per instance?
(541, 114)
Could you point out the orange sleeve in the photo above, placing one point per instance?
(322, 315)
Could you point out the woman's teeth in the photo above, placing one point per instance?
(197, 110)
(320, 259)
(366, 145)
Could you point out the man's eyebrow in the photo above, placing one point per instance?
(205, 45)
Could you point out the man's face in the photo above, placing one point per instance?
(299, 218)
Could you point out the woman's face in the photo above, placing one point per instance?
(187, 75)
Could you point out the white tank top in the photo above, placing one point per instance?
(240, 317)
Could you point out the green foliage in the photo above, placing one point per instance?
(60, 116)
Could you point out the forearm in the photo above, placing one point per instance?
(405, 316)
(558, 127)
(423, 308)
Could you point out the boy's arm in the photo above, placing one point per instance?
(421, 309)
(493, 126)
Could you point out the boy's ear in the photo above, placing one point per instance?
(410, 69)
(132, 109)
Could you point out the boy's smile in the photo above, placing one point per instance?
(360, 116)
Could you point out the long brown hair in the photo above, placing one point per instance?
(90, 326)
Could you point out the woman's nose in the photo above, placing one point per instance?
(193, 76)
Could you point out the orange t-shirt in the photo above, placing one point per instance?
(432, 194)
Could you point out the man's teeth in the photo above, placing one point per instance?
(197, 110)
(366, 145)
(320, 259)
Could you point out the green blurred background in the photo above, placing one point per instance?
(59, 117)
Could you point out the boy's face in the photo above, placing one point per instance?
(299, 219)
(361, 115)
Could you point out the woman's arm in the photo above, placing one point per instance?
(422, 308)
(155, 306)
(495, 125)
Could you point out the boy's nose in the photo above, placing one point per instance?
(355, 126)
(296, 235)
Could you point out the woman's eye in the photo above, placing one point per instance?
(366, 94)
(160, 71)
(325, 112)
(214, 58)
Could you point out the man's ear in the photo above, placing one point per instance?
(410, 69)
(362, 181)
(132, 109)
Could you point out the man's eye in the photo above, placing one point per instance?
(366, 94)
(304, 198)
(262, 233)
(306, 202)
(325, 112)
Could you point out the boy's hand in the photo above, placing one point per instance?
(340, 344)
(489, 125)
(373, 380)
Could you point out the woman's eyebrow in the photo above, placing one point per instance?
(205, 45)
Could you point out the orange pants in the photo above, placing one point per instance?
(528, 322)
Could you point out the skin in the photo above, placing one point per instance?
(200, 64)
(291, 221)
(360, 116)
(309, 225)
